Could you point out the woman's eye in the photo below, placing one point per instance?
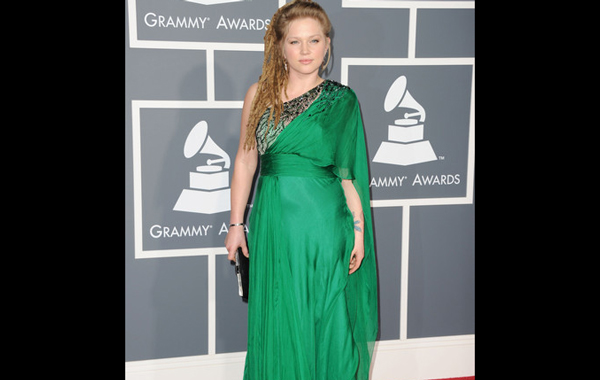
(294, 42)
(315, 41)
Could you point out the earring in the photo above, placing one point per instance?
(285, 64)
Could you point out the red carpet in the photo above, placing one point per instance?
(459, 378)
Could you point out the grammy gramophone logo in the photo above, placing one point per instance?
(209, 191)
(405, 145)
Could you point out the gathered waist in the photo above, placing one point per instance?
(291, 165)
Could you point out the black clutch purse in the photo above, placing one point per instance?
(242, 266)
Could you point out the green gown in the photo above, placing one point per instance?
(307, 318)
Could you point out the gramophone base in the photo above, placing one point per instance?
(203, 202)
(405, 154)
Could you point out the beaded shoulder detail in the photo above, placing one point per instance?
(291, 109)
(323, 96)
(332, 91)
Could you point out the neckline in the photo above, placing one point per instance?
(307, 92)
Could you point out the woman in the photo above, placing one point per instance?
(312, 306)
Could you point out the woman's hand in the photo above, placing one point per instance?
(353, 201)
(358, 253)
(235, 238)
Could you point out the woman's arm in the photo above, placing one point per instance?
(241, 184)
(355, 206)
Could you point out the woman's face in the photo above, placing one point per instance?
(304, 46)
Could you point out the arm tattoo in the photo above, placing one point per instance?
(356, 223)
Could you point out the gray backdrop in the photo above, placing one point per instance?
(188, 62)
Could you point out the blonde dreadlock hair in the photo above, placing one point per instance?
(274, 77)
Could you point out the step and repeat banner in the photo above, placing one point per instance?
(188, 65)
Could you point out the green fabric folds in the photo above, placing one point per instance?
(307, 318)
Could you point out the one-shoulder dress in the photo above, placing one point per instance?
(308, 319)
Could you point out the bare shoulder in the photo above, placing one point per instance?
(251, 92)
(248, 104)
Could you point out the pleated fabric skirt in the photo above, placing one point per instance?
(300, 241)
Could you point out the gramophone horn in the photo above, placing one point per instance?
(198, 141)
(395, 94)
(398, 96)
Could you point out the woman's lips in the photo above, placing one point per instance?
(305, 61)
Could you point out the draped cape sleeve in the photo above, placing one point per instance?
(351, 162)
